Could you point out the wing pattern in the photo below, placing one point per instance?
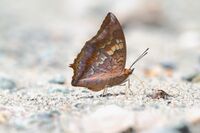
(104, 53)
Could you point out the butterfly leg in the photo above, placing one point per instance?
(129, 86)
(104, 91)
(127, 83)
(141, 81)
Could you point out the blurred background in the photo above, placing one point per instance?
(46, 36)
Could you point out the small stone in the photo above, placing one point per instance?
(195, 78)
(7, 84)
(183, 128)
(59, 90)
(129, 130)
(168, 68)
(162, 70)
(58, 79)
(3, 118)
(176, 128)
(85, 91)
(51, 114)
(45, 117)
(162, 130)
(153, 71)
(80, 106)
(168, 65)
(158, 94)
(189, 78)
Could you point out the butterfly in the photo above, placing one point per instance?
(101, 62)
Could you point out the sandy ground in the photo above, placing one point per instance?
(36, 48)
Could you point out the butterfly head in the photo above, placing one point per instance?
(128, 71)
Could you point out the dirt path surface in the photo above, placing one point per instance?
(38, 42)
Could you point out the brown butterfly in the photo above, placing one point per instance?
(101, 62)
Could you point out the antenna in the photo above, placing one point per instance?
(140, 57)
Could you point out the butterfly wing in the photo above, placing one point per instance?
(104, 53)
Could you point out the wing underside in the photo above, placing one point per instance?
(104, 53)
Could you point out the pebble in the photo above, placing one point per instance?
(48, 115)
(3, 118)
(129, 130)
(158, 71)
(195, 78)
(85, 91)
(157, 94)
(168, 65)
(179, 128)
(45, 117)
(59, 90)
(7, 84)
(80, 105)
(58, 79)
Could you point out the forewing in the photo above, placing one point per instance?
(104, 53)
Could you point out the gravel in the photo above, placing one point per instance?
(40, 39)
